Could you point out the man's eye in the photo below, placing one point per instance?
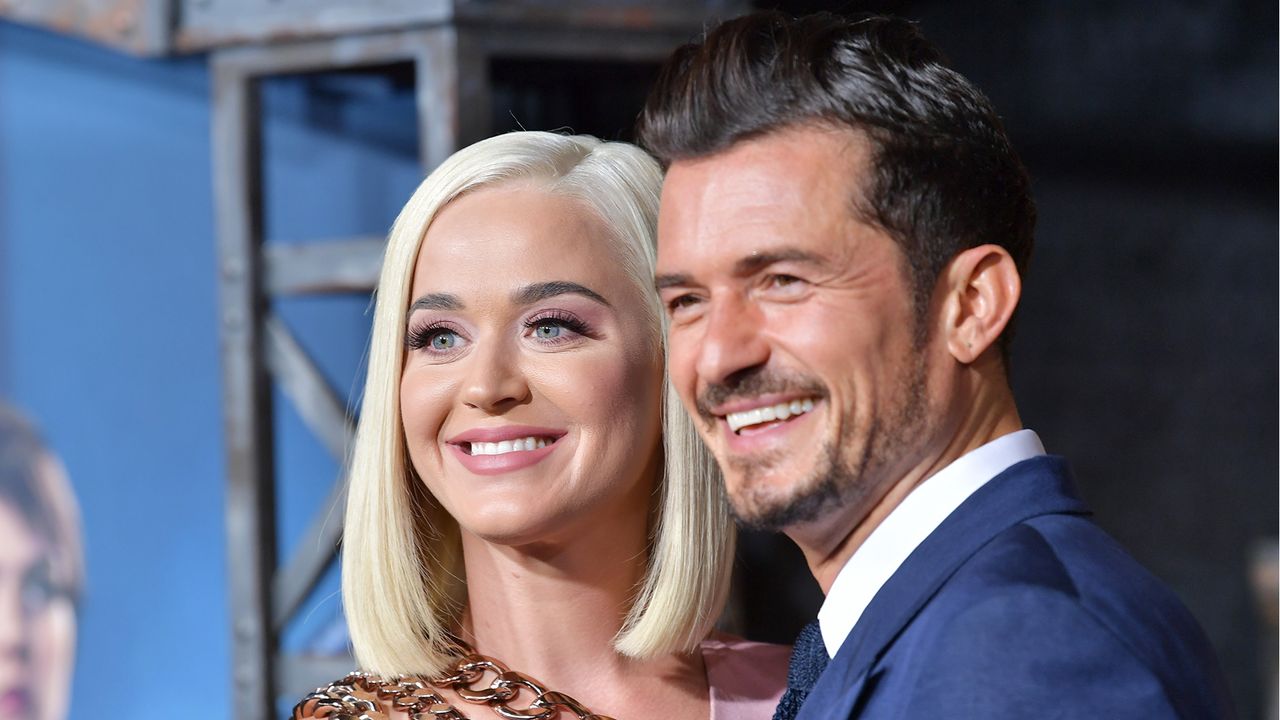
(784, 280)
(681, 302)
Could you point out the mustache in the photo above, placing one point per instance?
(754, 383)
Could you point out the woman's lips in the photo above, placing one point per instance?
(505, 448)
(15, 703)
(507, 459)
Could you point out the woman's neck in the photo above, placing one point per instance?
(552, 610)
(553, 607)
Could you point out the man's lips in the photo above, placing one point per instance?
(777, 407)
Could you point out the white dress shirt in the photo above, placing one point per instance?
(919, 514)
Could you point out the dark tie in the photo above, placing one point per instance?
(808, 660)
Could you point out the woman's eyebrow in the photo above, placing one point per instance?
(436, 301)
(536, 292)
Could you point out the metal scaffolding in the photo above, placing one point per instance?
(450, 44)
(453, 102)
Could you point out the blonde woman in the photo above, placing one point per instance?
(524, 486)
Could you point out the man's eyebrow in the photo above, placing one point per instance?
(536, 292)
(436, 301)
(668, 280)
(758, 261)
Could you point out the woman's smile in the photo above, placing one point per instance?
(503, 449)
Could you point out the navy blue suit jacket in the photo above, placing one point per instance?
(1019, 606)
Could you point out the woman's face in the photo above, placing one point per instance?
(37, 626)
(532, 381)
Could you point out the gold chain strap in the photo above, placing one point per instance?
(361, 696)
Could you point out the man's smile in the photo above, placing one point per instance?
(762, 414)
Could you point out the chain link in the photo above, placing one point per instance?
(361, 696)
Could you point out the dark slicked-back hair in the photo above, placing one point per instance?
(944, 176)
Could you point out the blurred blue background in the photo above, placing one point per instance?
(108, 332)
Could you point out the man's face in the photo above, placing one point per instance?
(793, 336)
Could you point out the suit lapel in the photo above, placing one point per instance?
(1031, 488)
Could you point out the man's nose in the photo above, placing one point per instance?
(496, 381)
(733, 340)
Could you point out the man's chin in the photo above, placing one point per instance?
(759, 505)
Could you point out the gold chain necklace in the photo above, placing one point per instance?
(361, 696)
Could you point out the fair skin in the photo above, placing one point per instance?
(37, 626)
(522, 327)
(781, 296)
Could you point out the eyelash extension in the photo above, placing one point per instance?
(564, 319)
(420, 337)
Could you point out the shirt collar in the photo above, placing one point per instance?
(918, 515)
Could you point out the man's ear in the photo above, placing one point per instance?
(982, 288)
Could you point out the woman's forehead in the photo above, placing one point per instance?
(497, 240)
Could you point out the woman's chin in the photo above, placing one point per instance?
(504, 530)
(531, 533)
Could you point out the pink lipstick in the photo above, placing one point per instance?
(497, 450)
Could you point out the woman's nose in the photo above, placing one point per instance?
(496, 381)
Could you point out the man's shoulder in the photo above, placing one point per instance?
(1073, 559)
(1053, 570)
(1066, 565)
(1057, 592)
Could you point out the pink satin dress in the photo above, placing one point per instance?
(746, 678)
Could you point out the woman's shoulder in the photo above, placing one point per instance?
(746, 678)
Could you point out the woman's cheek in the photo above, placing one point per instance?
(54, 658)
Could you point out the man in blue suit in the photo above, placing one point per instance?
(843, 232)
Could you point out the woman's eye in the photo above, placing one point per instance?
(37, 589)
(547, 331)
(434, 338)
(557, 327)
(444, 340)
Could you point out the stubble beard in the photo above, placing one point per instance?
(850, 470)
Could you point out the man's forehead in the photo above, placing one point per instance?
(780, 191)
(786, 169)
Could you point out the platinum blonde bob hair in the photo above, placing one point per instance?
(402, 577)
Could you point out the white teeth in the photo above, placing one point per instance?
(769, 413)
(508, 446)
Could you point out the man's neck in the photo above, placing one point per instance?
(830, 541)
